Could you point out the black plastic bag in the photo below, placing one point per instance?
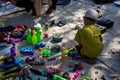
(105, 22)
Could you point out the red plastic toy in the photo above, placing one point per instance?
(79, 67)
(29, 59)
(46, 35)
(21, 28)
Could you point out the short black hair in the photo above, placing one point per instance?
(90, 19)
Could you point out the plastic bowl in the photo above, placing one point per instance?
(57, 37)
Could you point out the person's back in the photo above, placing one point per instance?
(89, 37)
(90, 40)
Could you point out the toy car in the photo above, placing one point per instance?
(27, 50)
(29, 59)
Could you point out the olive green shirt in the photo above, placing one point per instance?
(89, 38)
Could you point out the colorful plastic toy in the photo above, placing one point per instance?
(57, 37)
(19, 61)
(26, 74)
(46, 53)
(38, 35)
(29, 37)
(56, 77)
(39, 60)
(21, 28)
(46, 27)
(34, 35)
(34, 38)
(27, 50)
(16, 34)
(41, 45)
(52, 70)
(71, 48)
(48, 46)
(60, 23)
(9, 38)
(64, 54)
(31, 29)
(19, 31)
(2, 57)
(38, 25)
(41, 49)
(88, 78)
(52, 59)
(76, 75)
(54, 56)
(9, 60)
(77, 66)
(13, 49)
(29, 59)
(66, 75)
(56, 48)
(36, 46)
(10, 63)
(6, 74)
(46, 35)
(4, 67)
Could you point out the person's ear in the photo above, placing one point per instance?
(95, 21)
(84, 18)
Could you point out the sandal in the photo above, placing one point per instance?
(61, 23)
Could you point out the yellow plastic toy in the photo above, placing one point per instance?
(64, 54)
(41, 49)
(2, 58)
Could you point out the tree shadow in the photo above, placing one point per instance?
(71, 13)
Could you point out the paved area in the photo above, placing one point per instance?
(107, 62)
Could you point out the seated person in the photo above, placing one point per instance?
(89, 38)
